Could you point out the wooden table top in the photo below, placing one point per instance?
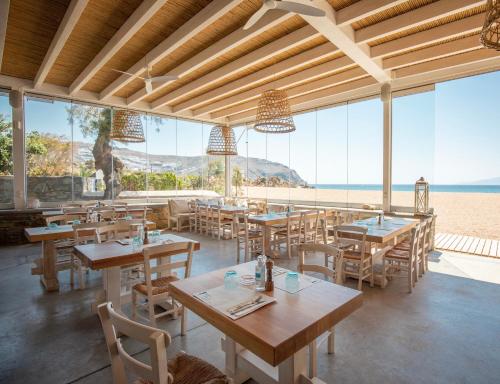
(276, 331)
(384, 232)
(273, 218)
(59, 232)
(114, 254)
(83, 211)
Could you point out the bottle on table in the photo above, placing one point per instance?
(269, 272)
(260, 274)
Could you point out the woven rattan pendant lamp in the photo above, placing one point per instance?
(273, 113)
(490, 35)
(127, 127)
(221, 141)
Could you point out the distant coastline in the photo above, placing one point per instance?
(469, 188)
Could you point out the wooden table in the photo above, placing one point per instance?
(266, 221)
(270, 344)
(46, 268)
(84, 211)
(111, 256)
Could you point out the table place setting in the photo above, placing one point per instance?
(235, 302)
(293, 282)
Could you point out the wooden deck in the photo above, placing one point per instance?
(467, 244)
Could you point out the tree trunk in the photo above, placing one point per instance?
(104, 160)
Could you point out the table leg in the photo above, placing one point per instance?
(112, 286)
(294, 369)
(49, 276)
(231, 350)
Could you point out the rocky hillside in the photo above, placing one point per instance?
(136, 160)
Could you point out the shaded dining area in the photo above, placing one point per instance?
(249, 191)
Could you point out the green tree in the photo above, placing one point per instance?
(237, 178)
(96, 123)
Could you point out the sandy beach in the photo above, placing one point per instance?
(472, 214)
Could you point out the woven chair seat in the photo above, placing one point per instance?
(160, 285)
(187, 369)
(353, 255)
(284, 232)
(397, 254)
(62, 244)
(403, 246)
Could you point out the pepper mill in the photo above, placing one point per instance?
(146, 239)
(269, 277)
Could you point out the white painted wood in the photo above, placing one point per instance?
(414, 18)
(18, 155)
(276, 47)
(435, 52)
(136, 21)
(362, 9)
(344, 39)
(191, 28)
(434, 35)
(4, 16)
(308, 87)
(216, 50)
(71, 17)
(291, 80)
(447, 62)
(274, 70)
(387, 154)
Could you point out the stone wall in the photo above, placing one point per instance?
(6, 189)
(12, 224)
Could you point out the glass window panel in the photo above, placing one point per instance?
(239, 164)
(190, 155)
(213, 176)
(49, 165)
(6, 162)
(331, 161)
(278, 167)
(257, 164)
(365, 152)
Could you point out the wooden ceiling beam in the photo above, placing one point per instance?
(434, 35)
(343, 37)
(274, 48)
(4, 17)
(216, 50)
(290, 64)
(414, 18)
(316, 85)
(431, 53)
(134, 23)
(477, 55)
(338, 90)
(207, 16)
(284, 82)
(362, 9)
(71, 17)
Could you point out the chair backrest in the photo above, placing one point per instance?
(351, 234)
(310, 220)
(241, 222)
(428, 234)
(111, 231)
(422, 237)
(61, 219)
(158, 340)
(327, 250)
(84, 235)
(161, 250)
(414, 240)
(138, 214)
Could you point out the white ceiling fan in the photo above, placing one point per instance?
(290, 6)
(148, 80)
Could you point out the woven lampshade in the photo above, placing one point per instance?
(273, 113)
(127, 127)
(222, 141)
(490, 35)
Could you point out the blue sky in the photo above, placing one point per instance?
(450, 135)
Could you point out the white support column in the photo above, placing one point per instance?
(386, 96)
(17, 103)
(228, 176)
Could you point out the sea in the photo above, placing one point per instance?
(467, 188)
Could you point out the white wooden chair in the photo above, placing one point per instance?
(398, 260)
(81, 235)
(247, 237)
(179, 214)
(358, 261)
(334, 275)
(205, 218)
(220, 223)
(183, 368)
(156, 289)
(310, 226)
(291, 234)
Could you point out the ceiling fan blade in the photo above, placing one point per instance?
(164, 78)
(301, 9)
(125, 73)
(149, 86)
(257, 15)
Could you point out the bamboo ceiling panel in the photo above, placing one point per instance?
(391, 12)
(167, 20)
(339, 4)
(262, 39)
(98, 23)
(256, 67)
(228, 23)
(435, 23)
(31, 27)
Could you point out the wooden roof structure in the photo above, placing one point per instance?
(69, 48)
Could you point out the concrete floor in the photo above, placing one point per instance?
(447, 331)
